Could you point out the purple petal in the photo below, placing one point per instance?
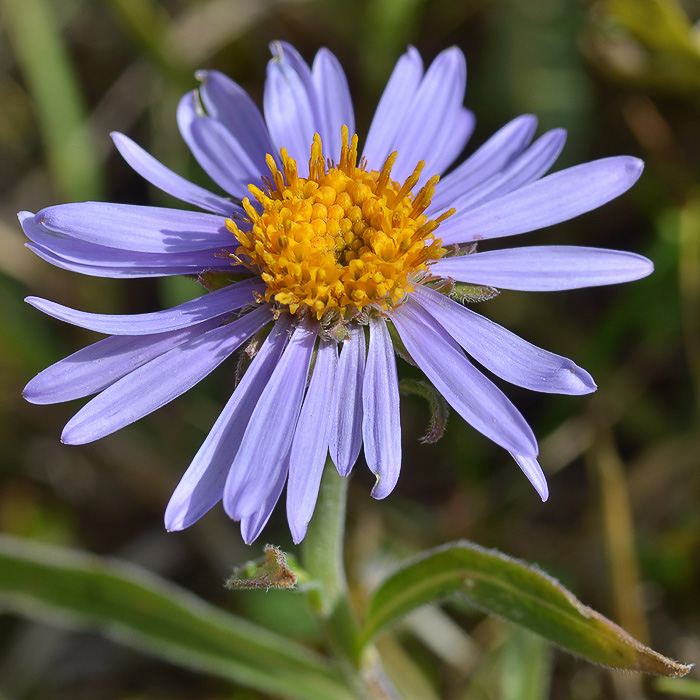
(182, 264)
(286, 53)
(534, 473)
(95, 367)
(381, 422)
(252, 525)
(346, 434)
(136, 228)
(230, 105)
(457, 139)
(225, 300)
(101, 261)
(310, 444)
(486, 161)
(290, 104)
(201, 140)
(269, 434)
(469, 392)
(334, 102)
(134, 264)
(503, 352)
(166, 180)
(202, 485)
(427, 123)
(555, 198)
(226, 154)
(530, 165)
(546, 268)
(392, 107)
(161, 380)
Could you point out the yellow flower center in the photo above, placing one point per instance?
(343, 238)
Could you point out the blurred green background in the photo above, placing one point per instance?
(622, 526)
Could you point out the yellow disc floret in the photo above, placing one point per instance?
(341, 239)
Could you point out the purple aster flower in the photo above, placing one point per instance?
(317, 260)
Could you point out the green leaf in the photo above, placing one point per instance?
(143, 611)
(518, 592)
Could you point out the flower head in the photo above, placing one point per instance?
(314, 259)
(340, 241)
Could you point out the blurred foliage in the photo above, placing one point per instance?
(650, 42)
(621, 525)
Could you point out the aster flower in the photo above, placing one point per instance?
(318, 260)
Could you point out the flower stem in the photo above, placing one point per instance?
(322, 553)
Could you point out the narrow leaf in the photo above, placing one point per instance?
(518, 592)
(145, 612)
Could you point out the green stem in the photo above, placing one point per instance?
(322, 548)
(322, 553)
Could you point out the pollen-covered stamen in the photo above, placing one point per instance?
(343, 238)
